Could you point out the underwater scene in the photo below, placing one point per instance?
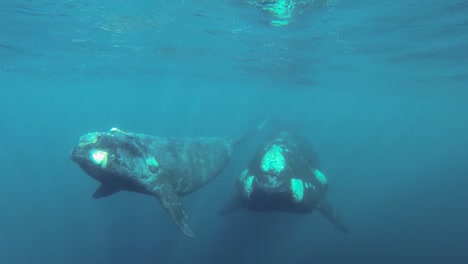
(233, 131)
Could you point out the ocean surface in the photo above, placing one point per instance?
(380, 88)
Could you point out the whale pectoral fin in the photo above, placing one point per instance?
(331, 213)
(105, 190)
(234, 204)
(171, 203)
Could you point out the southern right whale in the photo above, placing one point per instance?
(163, 167)
(284, 175)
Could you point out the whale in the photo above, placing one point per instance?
(164, 167)
(284, 175)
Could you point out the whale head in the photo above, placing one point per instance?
(270, 178)
(281, 175)
(112, 157)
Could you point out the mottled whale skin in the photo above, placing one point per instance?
(163, 167)
(284, 175)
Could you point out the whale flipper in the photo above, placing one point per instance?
(169, 199)
(331, 213)
(105, 190)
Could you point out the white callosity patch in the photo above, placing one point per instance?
(99, 157)
(320, 177)
(272, 181)
(273, 160)
(248, 186)
(297, 188)
(243, 174)
(309, 185)
(88, 139)
(151, 161)
(114, 129)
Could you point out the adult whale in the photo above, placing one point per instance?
(160, 166)
(284, 175)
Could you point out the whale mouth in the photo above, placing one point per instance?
(279, 191)
(269, 184)
(74, 154)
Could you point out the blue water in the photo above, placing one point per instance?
(379, 88)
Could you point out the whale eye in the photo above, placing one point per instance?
(153, 169)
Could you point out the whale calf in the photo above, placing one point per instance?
(164, 167)
(284, 175)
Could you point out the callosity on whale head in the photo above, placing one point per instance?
(274, 174)
(284, 175)
(107, 155)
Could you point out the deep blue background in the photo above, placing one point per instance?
(380, 90)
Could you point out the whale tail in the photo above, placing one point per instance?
(331, 213)
(251, 133)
